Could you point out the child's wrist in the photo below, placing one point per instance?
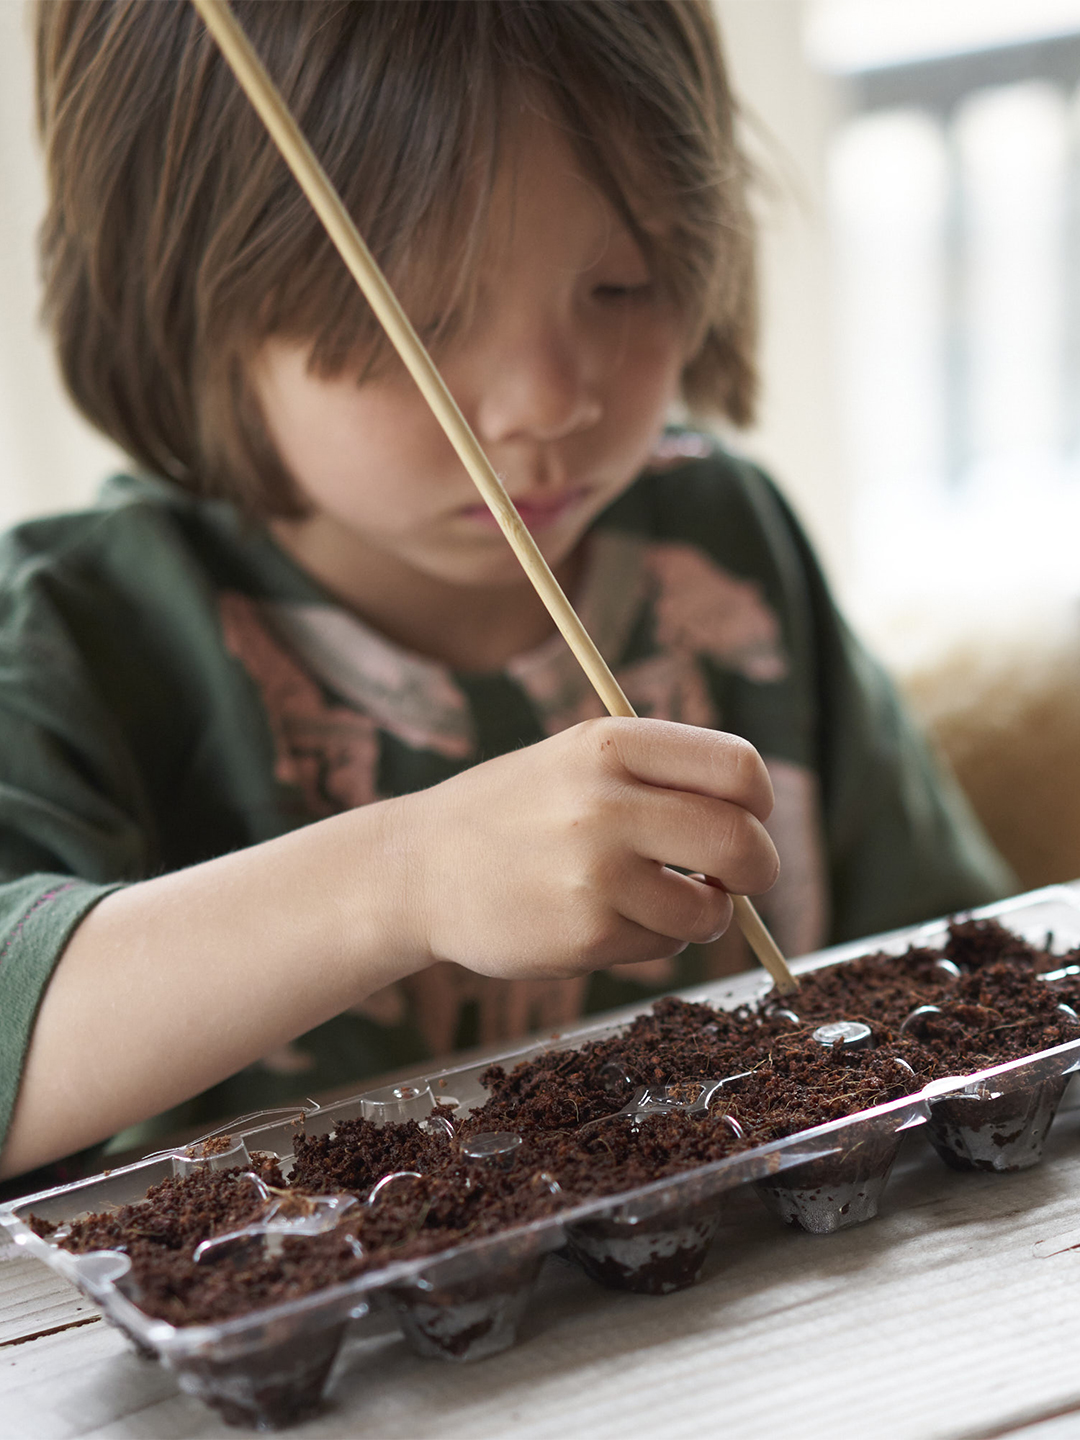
(382, 895)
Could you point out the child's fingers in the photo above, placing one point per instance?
(550, 861)
(713, 837)
(679, 906)
(625, 942)
(685, 758)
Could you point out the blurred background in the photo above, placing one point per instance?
(919, 203)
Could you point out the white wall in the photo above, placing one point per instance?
(49, 458)
(789, 112)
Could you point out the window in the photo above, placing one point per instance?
(954, 185)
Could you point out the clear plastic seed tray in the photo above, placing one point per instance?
(270, 1366)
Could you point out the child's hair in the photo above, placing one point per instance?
(175, 241)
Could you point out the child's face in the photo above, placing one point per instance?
(565, 372)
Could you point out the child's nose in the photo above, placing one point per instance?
(539, 389)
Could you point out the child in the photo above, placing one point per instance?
(288, 747)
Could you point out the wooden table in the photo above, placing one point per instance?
(956, 1313)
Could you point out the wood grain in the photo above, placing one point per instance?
(34, 1300)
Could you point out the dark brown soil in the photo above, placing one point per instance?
(575, 1145)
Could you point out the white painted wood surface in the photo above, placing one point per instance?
(33, 1300)
(955, 1314)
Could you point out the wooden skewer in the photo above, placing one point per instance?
(328, 205)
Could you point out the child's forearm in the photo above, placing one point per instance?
(170, 985)
(546, 862)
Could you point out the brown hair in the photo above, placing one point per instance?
(175, 241)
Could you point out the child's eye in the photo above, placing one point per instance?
(642, 290)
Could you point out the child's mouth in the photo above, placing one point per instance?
(536, 514)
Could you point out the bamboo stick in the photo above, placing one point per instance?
(328, 206)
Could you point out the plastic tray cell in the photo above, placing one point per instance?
(471, 1306)
(652, 1253)
(999, 1120)
(272, 1385)
(844, 1188)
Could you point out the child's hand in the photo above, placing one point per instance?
(550, 861)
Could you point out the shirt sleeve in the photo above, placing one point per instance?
(37, 915)
(70, 828)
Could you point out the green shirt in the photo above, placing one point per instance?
(173, 687)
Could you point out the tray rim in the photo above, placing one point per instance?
(175, 1343)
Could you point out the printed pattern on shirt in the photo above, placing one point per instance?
(698, 609)
(330, 749)
(330, 752)
(413, 698)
